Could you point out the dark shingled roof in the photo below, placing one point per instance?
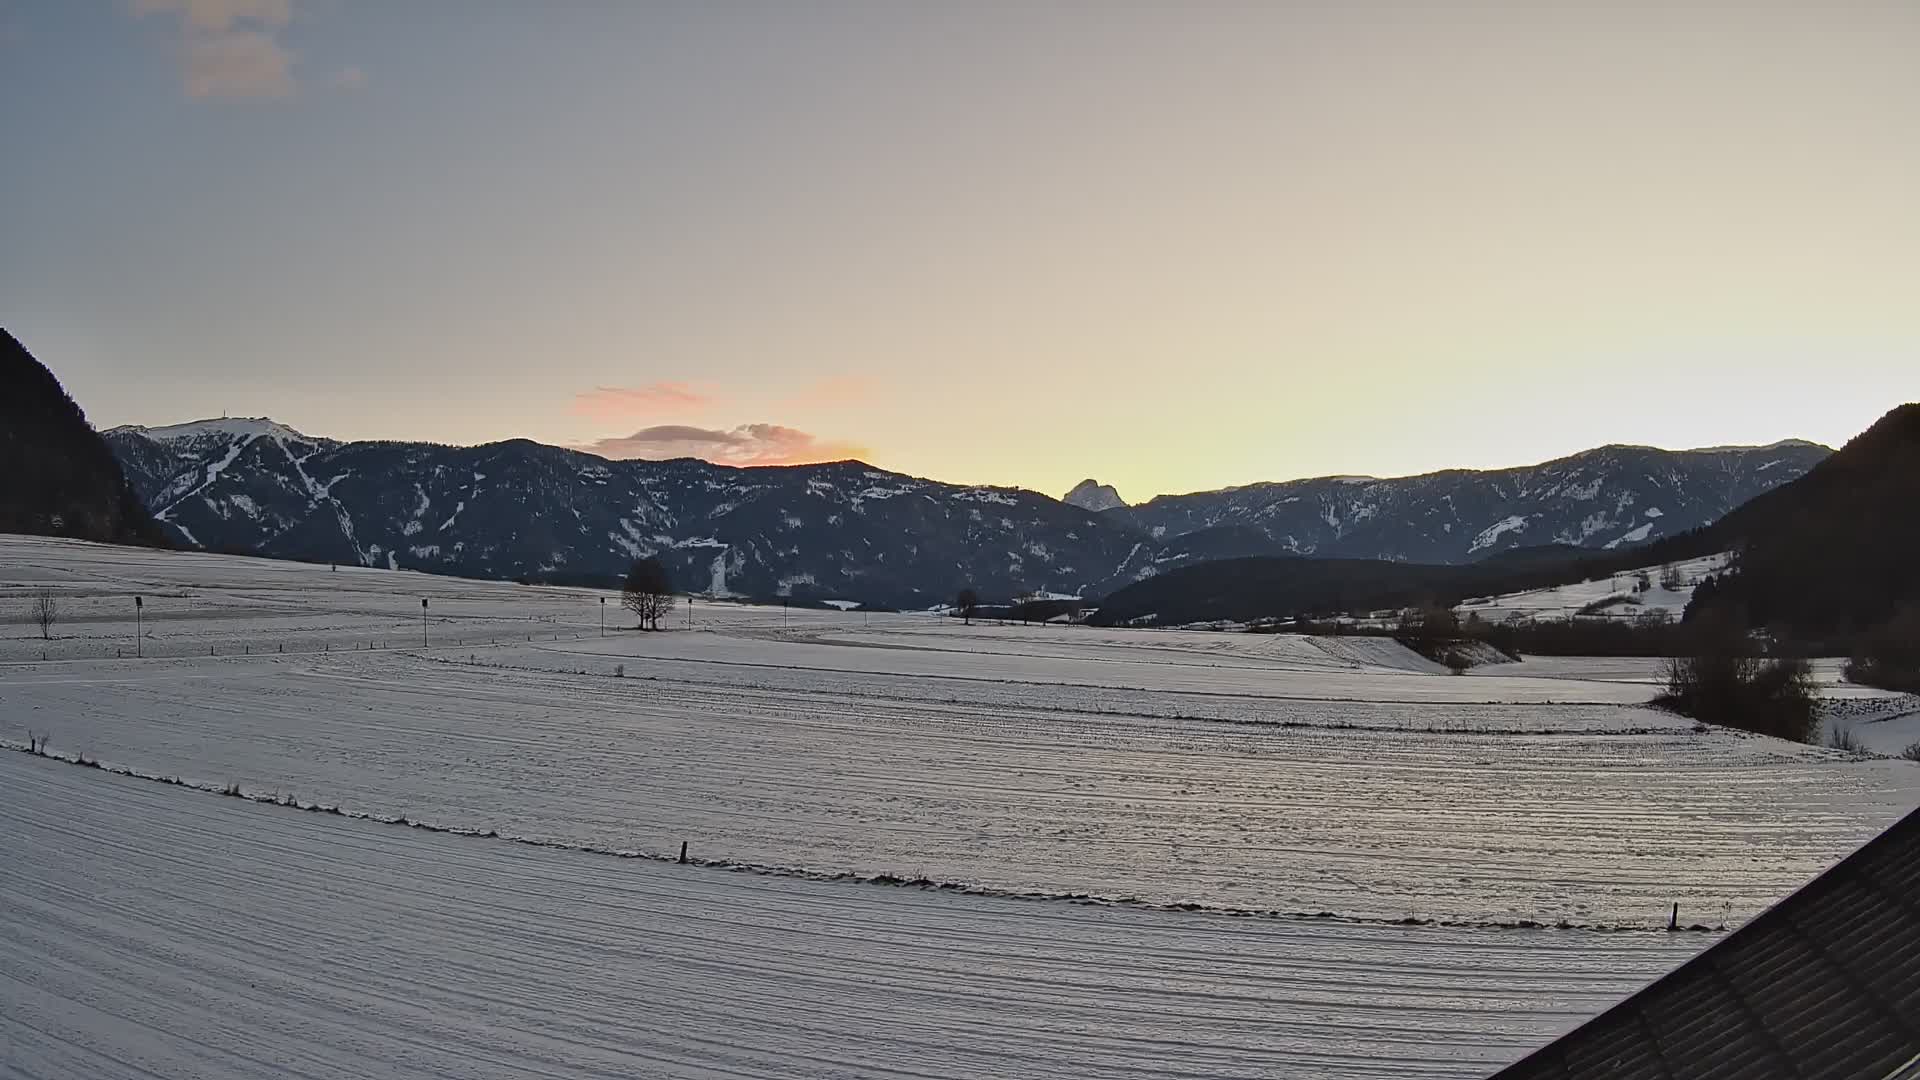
(1825, 985)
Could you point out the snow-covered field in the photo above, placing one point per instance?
(153, 931)
(1887, 724)
(1138, 852)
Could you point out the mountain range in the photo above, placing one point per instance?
(1606, 498)
(1825, 560)
(849, 531)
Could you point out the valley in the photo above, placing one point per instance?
(1317, 832)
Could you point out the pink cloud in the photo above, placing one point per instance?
(748, 444)
(616, 402)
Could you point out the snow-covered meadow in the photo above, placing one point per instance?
(1566, 601)
(1124, 852)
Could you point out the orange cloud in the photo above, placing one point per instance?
(230, 48)
(237, 64)
(748, 444)
(615, 402)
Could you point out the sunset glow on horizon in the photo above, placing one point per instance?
(1170, 247)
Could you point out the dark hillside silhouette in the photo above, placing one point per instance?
(1837, 552)
(57, 476)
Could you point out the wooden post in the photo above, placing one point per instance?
(683, 852)
(1673, 921)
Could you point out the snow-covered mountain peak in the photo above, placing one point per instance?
(1094, 496)
(231, 426)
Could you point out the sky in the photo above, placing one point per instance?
(1170, 246)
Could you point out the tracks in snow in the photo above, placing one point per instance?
(153, 932)
(1591, 829)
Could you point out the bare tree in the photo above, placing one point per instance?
(1671, 579)
(967, 603)
(45, 612)
(648, 592)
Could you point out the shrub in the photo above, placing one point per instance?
(1890, 657)
(1725, 684)
(1840, 738)
(1912, 752)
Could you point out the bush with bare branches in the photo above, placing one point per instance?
(45, 611)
